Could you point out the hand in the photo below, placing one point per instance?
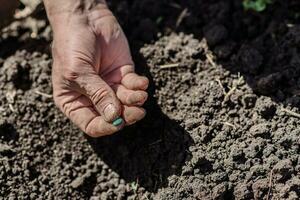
(93, 73)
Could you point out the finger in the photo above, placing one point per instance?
(132, 114)
(91, 123)
(82, 113)
(102, 96)
(135, 82)
(130, 97)
(116, 73)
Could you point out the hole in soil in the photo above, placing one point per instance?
(241, 159)
(22, 79)
(269, 112)
(8, 132)
(21, 6)
(8, 153)
(67, 158)
(199, 56)
(89, 185)
(228, 195)
(10, 42)
(50, 142)
(204, 165)
(33, 173)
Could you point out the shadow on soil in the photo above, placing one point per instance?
(150, 151)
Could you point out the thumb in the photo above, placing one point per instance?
(101, 95)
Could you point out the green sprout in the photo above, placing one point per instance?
(135, 186)
(257, 5)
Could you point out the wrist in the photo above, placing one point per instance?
(55, 7)
(60, 12)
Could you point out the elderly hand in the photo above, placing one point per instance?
(93, 76)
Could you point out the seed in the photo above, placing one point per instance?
(118, 121)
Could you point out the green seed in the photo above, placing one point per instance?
(118, 121)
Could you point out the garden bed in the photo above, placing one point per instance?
(222, 118)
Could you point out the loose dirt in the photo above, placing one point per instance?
(222, 119)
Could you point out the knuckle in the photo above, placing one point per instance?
(100, 95)
(70, 74)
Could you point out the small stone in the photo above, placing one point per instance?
(260, 130)
(77, 182)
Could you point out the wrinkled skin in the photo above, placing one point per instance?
(93, 73)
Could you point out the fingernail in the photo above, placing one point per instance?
(110, 113)
(138, 98)
(118, 122)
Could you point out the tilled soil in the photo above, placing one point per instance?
(222, 118)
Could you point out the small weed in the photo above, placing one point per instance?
(159, 20)
(256, 5)
(134, 186)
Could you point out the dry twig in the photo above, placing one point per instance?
(221, 85)
(232, 90)
(175, 5)
(156, 142)
(43, 94)
(168, 66)
(210, 59)
(229, 124)
(182, 15)
(11, 107)
(291, 113)
(270, 185)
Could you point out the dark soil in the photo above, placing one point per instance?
(222, 122)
